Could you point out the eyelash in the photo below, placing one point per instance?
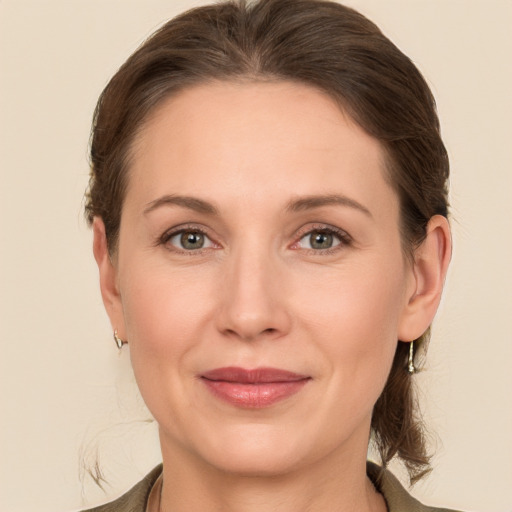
(168, 235)
(345, 240)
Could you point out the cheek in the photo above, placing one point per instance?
(163, 306)
(354, 319)
(164, 313)
(360, 302)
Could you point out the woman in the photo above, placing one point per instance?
(269, 207)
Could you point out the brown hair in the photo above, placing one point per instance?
(330, 47)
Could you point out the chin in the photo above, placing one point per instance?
(256, 450)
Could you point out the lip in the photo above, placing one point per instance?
(253, 389)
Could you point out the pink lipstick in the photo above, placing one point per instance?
(258, 388)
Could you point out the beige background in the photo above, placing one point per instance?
(64, 389)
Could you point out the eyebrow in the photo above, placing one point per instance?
(295, 205)
(192, 203)
(317, 201)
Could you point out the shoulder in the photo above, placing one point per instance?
(135, 499)
(397, 498)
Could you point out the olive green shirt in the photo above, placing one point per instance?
(397, 498)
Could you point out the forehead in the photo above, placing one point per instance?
(250, 139)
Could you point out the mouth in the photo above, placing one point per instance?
(253, 389)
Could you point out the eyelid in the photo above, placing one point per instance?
(344, 237)
(176, 230)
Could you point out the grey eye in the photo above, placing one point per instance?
(190, 240)
(319, 240)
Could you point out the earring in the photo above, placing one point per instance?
(411, 368)
(118, 340)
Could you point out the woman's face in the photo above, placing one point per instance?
(259, 232)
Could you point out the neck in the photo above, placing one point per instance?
(195, 486)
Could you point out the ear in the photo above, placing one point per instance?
(108, 278)
(429, 269)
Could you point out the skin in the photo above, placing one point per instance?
(259, 294)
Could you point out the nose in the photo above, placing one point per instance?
(253, 297)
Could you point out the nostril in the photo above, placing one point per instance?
(266, 332)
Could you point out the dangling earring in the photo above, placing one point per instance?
(411, 367)
(118, 340)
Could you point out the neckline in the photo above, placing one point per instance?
(394, 494)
